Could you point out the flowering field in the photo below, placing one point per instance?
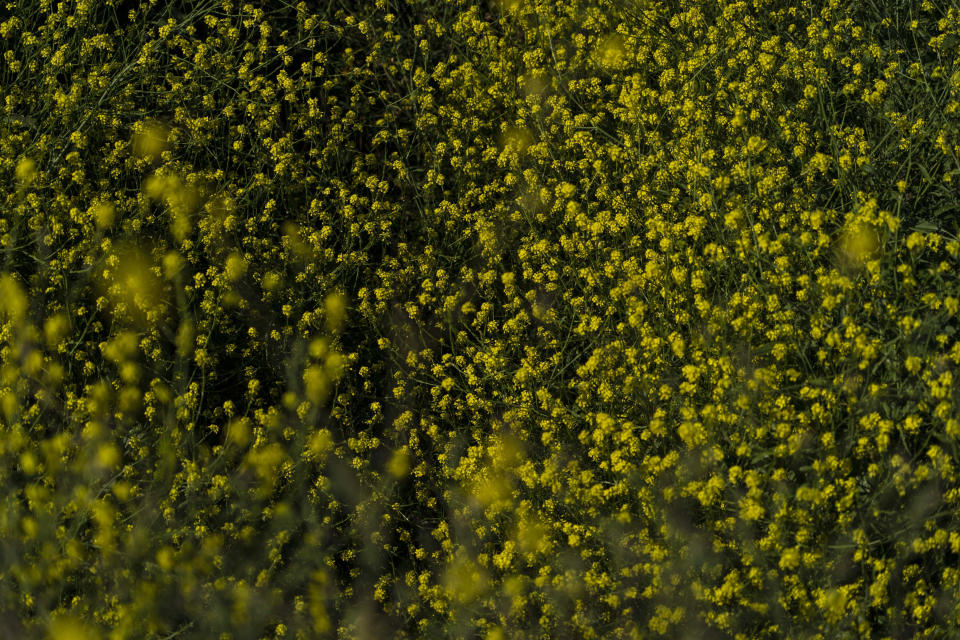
(476, 319)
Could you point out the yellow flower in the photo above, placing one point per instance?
(150, 141)
(610, 51)
(235, 267)
(860, 243)
(399, 464)
(335, 307)
(26, 171)
(790, 559)
(70, 628)
(755, 145)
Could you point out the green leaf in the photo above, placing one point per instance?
(927, 226)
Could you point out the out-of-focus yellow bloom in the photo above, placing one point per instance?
(13, 299)
(235, 267)
(238, 432)
(26, 171)
(103, 215)
(150, 141)
(71, 628)
(610, 51)
(399, 464)
(859, 243)
(335, 307)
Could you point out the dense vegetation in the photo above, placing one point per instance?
(447, 318)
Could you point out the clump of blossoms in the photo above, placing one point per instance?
(502, 319)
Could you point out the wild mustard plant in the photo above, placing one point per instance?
(503, 319)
